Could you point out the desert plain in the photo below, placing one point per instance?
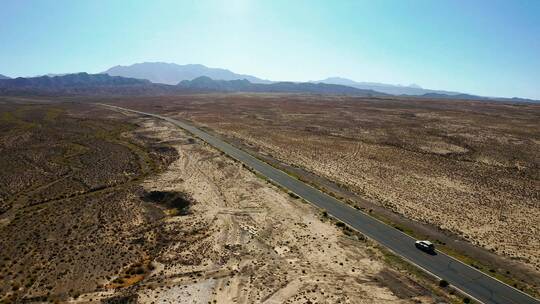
(102, 206)
(468, 168)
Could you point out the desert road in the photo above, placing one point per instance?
(476, 284)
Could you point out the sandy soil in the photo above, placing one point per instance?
(245, 241)
(497, 220)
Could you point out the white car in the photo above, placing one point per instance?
(426, 246)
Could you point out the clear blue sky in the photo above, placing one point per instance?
(482, 47)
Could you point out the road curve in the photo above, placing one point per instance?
(469, 280)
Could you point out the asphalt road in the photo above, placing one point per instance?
(469, 280)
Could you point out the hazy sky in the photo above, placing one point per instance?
(482, 47)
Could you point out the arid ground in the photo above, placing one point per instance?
(102, 206)
(469, 168)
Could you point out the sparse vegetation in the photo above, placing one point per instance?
(423, 159)
(97, 217)
(67, 183)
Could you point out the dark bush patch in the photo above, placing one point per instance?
(443, 283)
(475, 266)
(293, 195)
(170, 199)
(164, 149)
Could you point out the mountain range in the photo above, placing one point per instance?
(171, 73)
(205, 84)
(157, 78)
(104, 84)
(79, 84)
(391, 89)
(72, 80)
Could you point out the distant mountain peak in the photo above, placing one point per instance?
(4, 77)
(338, 78)
(172, 73)
(202, 79)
